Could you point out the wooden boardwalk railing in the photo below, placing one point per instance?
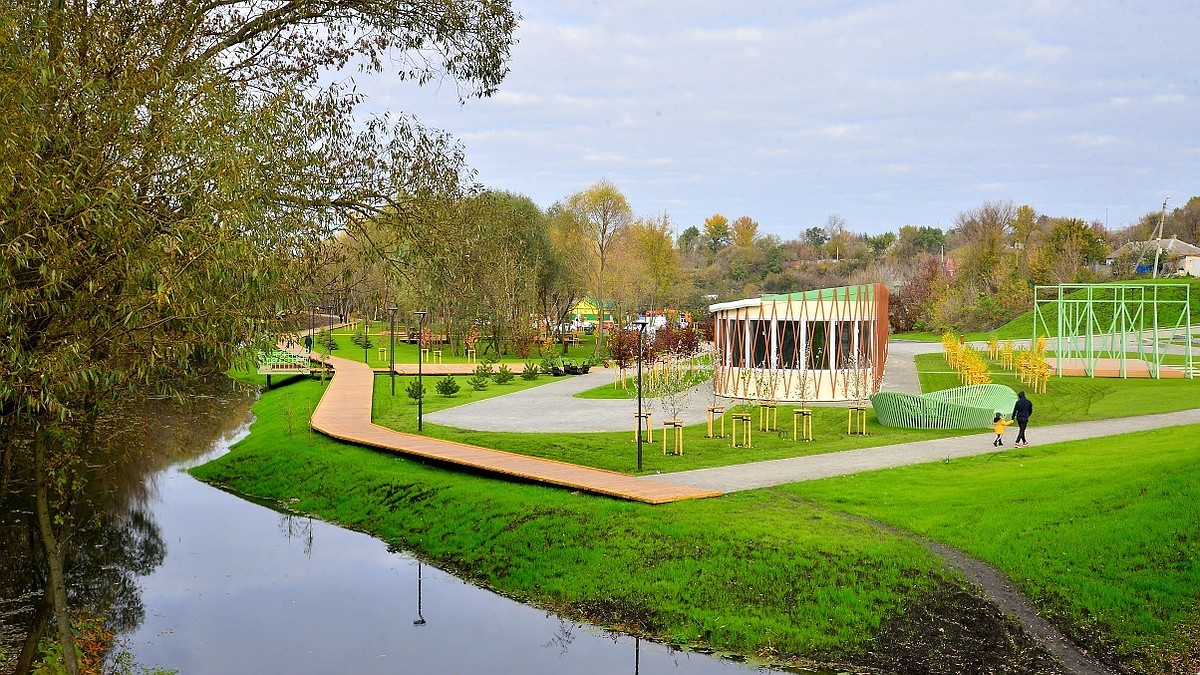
(344, 412)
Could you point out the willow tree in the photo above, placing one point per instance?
(163, 164)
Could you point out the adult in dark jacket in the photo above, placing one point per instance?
(1021, 412)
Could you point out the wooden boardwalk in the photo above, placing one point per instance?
(345, 413)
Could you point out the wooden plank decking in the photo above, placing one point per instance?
(345, 413)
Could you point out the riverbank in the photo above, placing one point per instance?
(759, 573)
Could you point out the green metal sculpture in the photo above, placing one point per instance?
(967, 407)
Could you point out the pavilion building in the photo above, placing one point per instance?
(827, 344)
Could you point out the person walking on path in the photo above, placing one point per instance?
(1021, 412)
(998, 425)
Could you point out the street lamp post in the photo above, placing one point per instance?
(312, 328)
(392, 349)
(420, 314)
(366, 338)
(641, 324)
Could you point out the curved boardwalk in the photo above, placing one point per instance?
(344, 412)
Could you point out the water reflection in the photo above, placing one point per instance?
(201, 581)
(245, 590)
(420, 620)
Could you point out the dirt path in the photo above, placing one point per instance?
(1003, 594)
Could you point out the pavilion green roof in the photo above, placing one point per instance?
(839, 293)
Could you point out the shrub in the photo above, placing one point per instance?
(325, 339)
(547, 365)
(503, 375)
(531, 371)
(479, 382)
(447, 386)
(416, 389)
(361, 337)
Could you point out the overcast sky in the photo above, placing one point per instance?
(884, 113)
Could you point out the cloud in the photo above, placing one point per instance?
(1084, 140)
(1039, 53)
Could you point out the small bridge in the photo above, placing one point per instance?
(280, 362)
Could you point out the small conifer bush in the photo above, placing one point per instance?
(447, 386)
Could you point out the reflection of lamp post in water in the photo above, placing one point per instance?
(637, 655)
(420, 617)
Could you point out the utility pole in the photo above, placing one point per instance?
(1158, 240)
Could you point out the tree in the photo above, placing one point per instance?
(603, 214)
(922, 239)
(716, 233)
(815, 237)
(689, 240)
(879, 243)
(744, 230)
(650, 262)
(165, 165)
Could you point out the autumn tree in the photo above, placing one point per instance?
(165, 165)
(650, 263)
(744, 231)
(717, 234)
(602, 214)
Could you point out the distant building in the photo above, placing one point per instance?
(587, 310)
(1175, 258)
(828, 344)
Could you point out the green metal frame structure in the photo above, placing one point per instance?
(1113, 321)
(970, 407)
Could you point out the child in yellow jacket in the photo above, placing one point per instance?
(998, 425)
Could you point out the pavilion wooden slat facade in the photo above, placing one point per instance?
(822, 345)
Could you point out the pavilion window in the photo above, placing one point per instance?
(845, 343)
(818, 341)
(789, 344)
(760, 343)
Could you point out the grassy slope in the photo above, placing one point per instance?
(1021, 327)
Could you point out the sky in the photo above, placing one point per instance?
(885, 114)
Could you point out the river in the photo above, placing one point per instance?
(242, 588)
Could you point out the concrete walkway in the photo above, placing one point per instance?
(552, 407)
(796, 469)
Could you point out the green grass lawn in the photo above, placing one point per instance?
(1103, 535)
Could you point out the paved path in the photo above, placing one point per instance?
(796, 469)
(552, 407)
